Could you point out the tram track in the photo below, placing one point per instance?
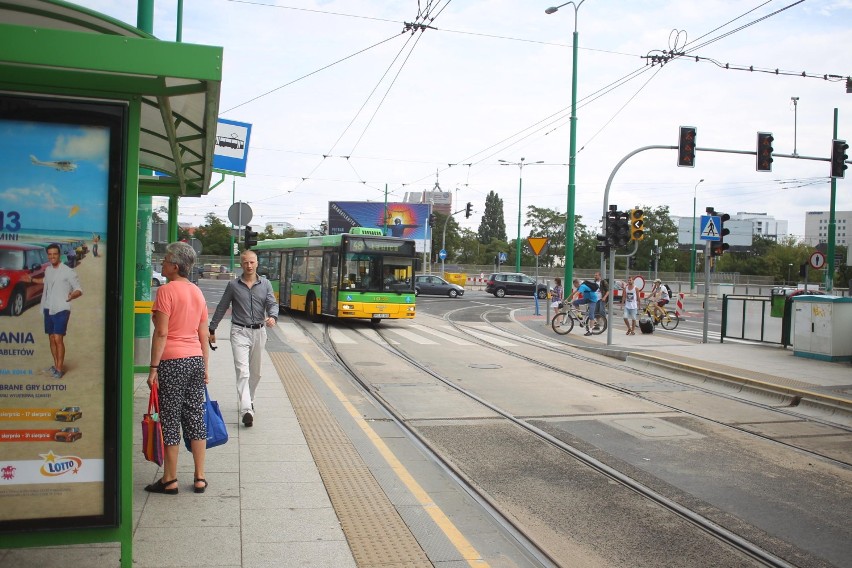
(611, 365)
(730, 538)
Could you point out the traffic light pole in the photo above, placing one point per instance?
(444, 237)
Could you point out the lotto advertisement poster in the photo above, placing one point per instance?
(54, 246)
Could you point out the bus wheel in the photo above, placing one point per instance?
(311, 309)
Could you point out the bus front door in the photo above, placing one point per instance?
(330, 282)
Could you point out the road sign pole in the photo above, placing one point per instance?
(706, 291)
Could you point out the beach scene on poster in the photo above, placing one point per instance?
(53, 249)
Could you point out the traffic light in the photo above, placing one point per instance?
(764, 151)
(622, 228)
(431, 219)
(838, 158)
(250, 237)
(686, 147)
(604, 245)
(468, 210)
(719, 247)
(637, 224)
(610, 227)
(631, 262)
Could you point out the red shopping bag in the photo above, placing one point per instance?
(152, 430)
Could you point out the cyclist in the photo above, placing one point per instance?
(660, 297)
(586, 295)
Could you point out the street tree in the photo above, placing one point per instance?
(493, 224)
(215, 236)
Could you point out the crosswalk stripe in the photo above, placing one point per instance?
(442, 335)
(339, 337)
(488, 337)
(419, 339)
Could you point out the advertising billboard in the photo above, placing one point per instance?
(408, 220)
(61, 194)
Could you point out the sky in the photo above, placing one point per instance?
(346, 105)
(37, 195)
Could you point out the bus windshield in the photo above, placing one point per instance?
(376, 273)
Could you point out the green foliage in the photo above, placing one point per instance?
(215, 236)
(493, 225)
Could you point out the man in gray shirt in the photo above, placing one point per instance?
(253, 309)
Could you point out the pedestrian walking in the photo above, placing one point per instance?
(253, 309)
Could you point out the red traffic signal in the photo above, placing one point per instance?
(764, 151)
(686, 147)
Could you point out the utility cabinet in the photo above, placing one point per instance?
(822, 327)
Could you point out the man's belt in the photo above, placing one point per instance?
(248, 325)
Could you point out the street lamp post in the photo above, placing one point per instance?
(569, 214)
(789, 266)
(520, 165)
(692, 262)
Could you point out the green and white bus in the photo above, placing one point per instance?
(360, 274)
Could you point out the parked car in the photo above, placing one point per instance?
(69, 414)
(437, 286)
(514, 284)
(69, 434)
(157, 279)
(17, 260)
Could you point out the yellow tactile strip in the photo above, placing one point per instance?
(376, 533)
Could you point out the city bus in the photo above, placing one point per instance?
(361, 274)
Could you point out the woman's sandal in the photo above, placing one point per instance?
(160, 487)
(203, 487)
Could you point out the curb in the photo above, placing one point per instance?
(795, 397)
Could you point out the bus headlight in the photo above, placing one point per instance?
(348, 307)
(410, 308)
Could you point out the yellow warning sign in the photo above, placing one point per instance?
(537, 244)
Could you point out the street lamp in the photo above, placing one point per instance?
(569, 215)
(789, 266)
(692, 262)
(520, 165)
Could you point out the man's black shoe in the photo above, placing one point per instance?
(248, 420)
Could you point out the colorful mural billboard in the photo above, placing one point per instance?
(408, 220)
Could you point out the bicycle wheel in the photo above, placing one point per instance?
(562, 323)
(670, 320)
(599, 327)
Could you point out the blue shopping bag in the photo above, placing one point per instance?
(217, 432)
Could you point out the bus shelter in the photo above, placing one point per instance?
(86, 103)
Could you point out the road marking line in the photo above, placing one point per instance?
(461, 544)
(442, 335)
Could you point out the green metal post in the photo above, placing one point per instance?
(518, 242)
(832, 225)
(572, 166)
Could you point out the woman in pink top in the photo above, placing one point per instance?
(179, 352)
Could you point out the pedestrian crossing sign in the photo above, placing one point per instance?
(711, 228)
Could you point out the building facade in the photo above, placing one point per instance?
(763, 225)
(816, 227)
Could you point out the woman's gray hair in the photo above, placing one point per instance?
(183, 256)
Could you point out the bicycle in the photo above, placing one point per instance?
(567, 313)
(669, 320)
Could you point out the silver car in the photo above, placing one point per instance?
(436, 285)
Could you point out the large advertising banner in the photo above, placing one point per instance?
(60, 179)
(407, 220)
